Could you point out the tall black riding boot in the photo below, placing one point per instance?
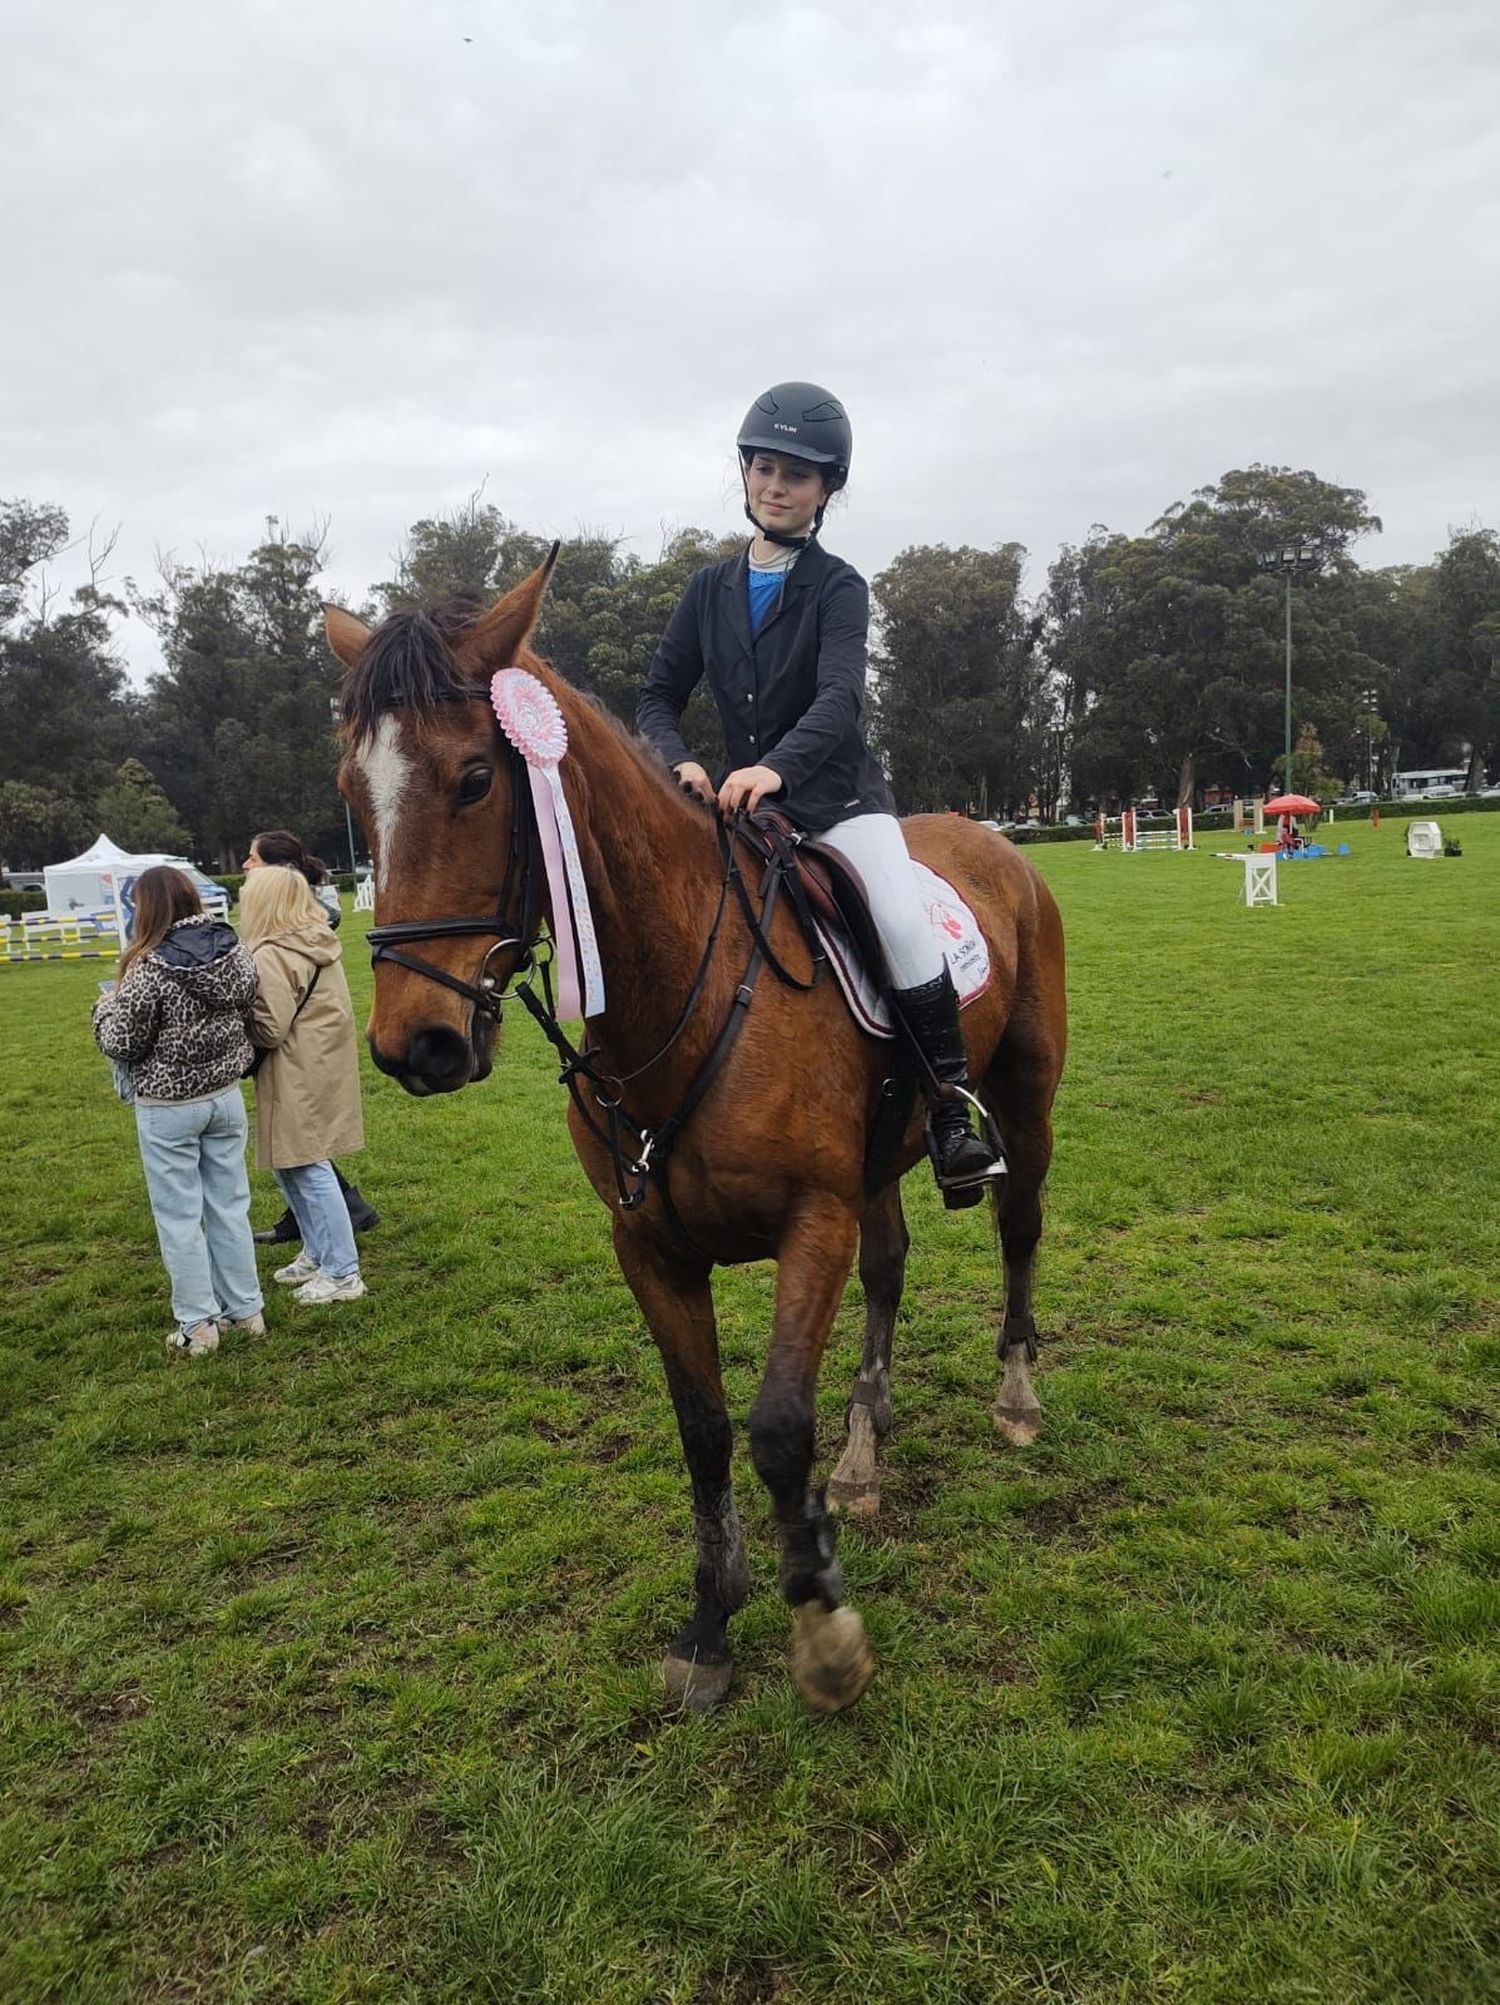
(961, 1161)
(362, 1214)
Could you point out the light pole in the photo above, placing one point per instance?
(333, 715)
(1372, 698)
(1287, 562)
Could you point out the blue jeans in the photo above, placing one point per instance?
(193, 1153)
(312, 1190)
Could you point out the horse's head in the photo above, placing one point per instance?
(433, 783)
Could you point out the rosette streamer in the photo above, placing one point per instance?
(531, 720)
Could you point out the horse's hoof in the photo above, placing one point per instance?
(854, 1500)
(1020, 1426)
(693, 1686)
(831, 1661)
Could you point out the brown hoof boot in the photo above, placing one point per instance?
(831, 1661)
(695, 1687)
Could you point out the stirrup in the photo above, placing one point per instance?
(960, 1191)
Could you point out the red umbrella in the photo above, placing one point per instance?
(1292, 804)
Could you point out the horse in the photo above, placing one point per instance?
(780, 1086)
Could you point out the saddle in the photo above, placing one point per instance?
(823, 886)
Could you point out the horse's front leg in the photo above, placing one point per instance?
(677, 1303)
(831, 1661)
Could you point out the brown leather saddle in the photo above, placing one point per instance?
(822, 885)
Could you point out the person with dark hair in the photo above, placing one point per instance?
(780, 632)
(278, 848)
(178, 1019)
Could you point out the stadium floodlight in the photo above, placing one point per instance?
(1289, 562)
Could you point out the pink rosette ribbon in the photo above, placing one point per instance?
(531, 720)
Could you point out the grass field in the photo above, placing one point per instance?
(328, 1666)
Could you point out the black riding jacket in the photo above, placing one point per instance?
(791, 698)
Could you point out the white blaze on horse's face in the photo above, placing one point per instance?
(386, 769)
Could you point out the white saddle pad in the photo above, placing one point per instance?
(954, 928)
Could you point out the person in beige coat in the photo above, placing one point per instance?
(307, 1086)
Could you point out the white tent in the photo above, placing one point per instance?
(86, 883)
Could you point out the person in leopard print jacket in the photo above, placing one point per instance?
(179, 1019)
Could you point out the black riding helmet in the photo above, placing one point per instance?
(805, 422)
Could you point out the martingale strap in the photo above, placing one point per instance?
(649, 1150)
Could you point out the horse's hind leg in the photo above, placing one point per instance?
(1018, 1089)
(831, 1661)
(854, 1485)
(678, 1306)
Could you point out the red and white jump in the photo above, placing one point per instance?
(1123, 832)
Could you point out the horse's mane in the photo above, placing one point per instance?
(409, 663)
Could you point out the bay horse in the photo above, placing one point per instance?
(770, 1162)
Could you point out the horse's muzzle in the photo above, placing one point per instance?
(439, 1059)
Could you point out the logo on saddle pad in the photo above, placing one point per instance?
(954, 928)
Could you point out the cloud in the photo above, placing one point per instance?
(1065, 263)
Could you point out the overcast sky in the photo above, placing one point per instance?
(1064, 261)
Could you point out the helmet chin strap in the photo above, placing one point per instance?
(779, 536)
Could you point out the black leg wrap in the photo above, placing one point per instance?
(703, 1641)
(876, 1402)
(1025, 1339)
(809, 1571)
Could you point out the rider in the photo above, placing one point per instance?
(780, 631)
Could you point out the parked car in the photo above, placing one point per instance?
(1361, 798)
(1489, 793)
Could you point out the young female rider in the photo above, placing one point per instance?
(781, 633)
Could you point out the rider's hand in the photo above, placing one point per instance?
(693, 780)
(744, 789)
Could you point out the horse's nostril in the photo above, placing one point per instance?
(441, 1058)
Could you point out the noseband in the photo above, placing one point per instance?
(516, 927)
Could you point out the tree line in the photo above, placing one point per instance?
(1147, 666)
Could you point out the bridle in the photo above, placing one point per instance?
(515, 928)
(638, 1154)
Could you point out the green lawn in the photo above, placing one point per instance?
(329, 1665)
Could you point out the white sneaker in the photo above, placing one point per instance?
(198, 1341)
(301, 1269)
(253, 1326)
(325, 1288)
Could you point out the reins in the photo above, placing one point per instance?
(637, 1154)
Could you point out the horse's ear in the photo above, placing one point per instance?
(346, 634)
(498, 636)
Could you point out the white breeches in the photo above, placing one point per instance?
(876, 847)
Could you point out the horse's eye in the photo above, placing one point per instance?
(474, 785)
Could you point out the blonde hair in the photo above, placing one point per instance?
(275, 900)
